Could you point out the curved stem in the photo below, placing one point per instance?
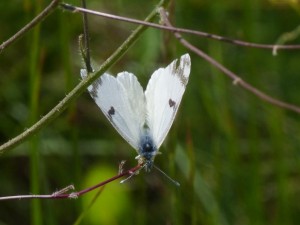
(181, 30)
(236, 79)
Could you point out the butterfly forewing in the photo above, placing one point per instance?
(163, 96)
(122, 101)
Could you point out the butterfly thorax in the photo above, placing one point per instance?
(147, 151)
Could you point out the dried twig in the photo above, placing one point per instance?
(236, 79)
(276, 47)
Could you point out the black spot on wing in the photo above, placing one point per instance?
(172, 104)
(111, 112)
(95, 85)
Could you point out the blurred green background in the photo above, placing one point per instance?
(237, 158)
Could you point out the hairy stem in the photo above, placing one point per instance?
(39, 18)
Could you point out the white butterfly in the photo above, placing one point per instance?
(142, 118)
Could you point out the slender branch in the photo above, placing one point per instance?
(236, 79)
(40, 17)
(87, 58)
(76, 9)
(61, 194)
(61, 106)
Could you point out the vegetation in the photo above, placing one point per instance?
(235, 155)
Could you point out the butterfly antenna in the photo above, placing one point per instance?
(172, 180)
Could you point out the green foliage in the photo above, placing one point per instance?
(236, 156)
(113, 202)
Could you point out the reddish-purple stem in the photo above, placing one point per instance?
(73, 194)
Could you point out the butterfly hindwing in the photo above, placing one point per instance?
(163, 96)
(122, 101)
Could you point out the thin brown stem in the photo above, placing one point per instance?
(87, 58)
(236, 79)
(76, 9)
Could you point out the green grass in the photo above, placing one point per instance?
(236, 156)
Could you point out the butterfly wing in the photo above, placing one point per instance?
(122, 101)
(163, 96)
